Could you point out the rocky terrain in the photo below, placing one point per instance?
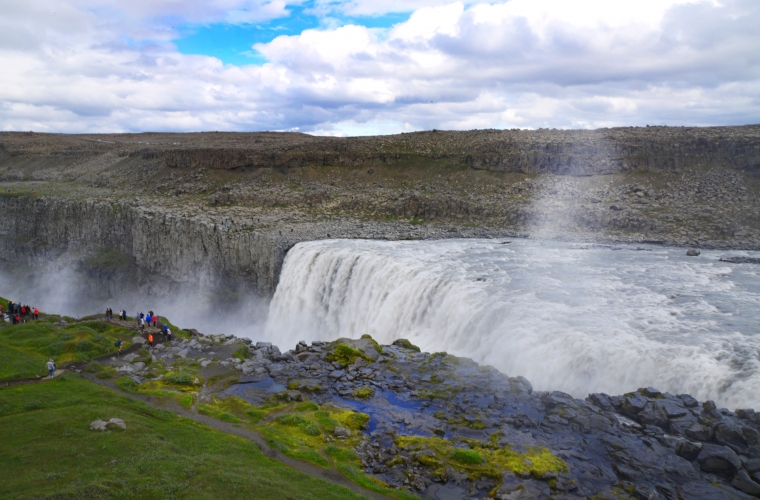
(152, 212)
(445, 427)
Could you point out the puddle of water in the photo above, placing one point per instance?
(267, 385)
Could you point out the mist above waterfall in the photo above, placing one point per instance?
(570, 317)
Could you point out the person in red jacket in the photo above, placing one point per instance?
(36, 313)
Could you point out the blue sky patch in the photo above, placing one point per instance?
(232, 44)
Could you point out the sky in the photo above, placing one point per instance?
(367, 67)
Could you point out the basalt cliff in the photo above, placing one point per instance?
(220, 210)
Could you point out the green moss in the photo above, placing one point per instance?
(364, 392)
(241, 353)
(406, 345)
(345, 355)
(484, 458)
(467, 456)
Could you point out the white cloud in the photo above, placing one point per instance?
(99, 65)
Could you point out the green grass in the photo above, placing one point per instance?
(303, 431)
(25, 348)
(49, 452)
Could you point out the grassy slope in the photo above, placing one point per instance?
(25, 348)
(49, 452)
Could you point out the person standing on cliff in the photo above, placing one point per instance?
(168, 334)
(155, 320)
(36, 313)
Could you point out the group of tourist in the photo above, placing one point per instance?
(147, 319)
(19, 313)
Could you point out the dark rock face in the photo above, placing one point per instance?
(645, 444)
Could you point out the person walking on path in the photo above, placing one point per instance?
(150, 339)
(118, 344)
(168, 334)
(51, 368)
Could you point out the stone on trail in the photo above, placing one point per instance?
(294, 396)
(692, 253)
(183, 353)
(138, 340)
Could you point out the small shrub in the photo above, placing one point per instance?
(306, 406)
(126, 384)
(467, 456)
(290, 419)
(256, 415)
(179, 379)
(312, 429)
(32, 405)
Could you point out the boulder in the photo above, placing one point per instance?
(743, 482)
(752, 465)
(713, 458)
(98, 425)
(342, 433)
(108, 424)
(183, 353)
(138, 340)
(729, 434)
(294, 396)
(699, 432)
(688, 450)
(692, 252)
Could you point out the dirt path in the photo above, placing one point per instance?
(330, 475)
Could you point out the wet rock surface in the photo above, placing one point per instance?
(445, 427)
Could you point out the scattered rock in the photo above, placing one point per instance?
(692, 252)
(342, 433)
(108, 424)
(713, 458)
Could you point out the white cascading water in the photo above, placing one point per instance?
(568, 317)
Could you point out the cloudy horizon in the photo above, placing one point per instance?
(361, 67)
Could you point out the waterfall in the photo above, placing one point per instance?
(577, 319)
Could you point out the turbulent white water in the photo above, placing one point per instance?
(566, 316)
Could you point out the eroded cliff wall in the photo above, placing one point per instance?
(166, 249)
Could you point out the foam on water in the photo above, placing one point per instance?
(574, 318)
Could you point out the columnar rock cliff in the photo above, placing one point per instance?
(221, 209)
